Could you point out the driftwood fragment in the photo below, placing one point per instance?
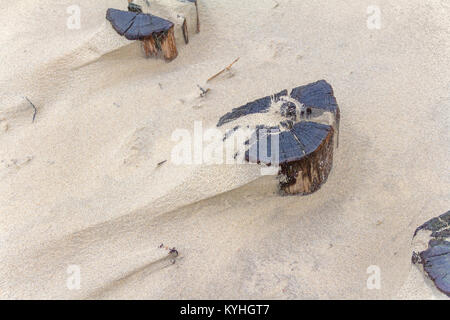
(196, 9)
(227, 68)
(185, 31)
(155, 32)
(304, 152)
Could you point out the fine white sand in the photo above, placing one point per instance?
(80, 185)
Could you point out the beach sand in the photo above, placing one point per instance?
(80, 188)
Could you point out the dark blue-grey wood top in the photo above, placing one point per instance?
(440, 226)
(436, 259)
(436, 262)
(317, 95)
(261, 105)
(136, 26)
(299, 142)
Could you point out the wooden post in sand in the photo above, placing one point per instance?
(304, 140)
(182, 13)
(169, 21)
(156, 33)
(306, 175)
(184, 16)
(164, 42)
(168, 45)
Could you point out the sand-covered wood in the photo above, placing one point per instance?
(168, 46)
(182, 13)
(155, 32)
(160, 26)
(434, 259)
(302, 145)
(149, 46)
(306, 175)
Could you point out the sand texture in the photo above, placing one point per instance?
(80, 184)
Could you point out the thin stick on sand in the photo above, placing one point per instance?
(34, 107)
(223, 70)
(161, 163)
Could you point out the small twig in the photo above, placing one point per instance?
(204, 92)
(34, 107)
(223, 70)
(172, 252)
(161, 163)
(276, 4)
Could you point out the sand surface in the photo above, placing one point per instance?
(80, 185)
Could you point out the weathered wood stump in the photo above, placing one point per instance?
(304, 138)
(159, 26)
(155, 33)
(182, 13)
(435, 259)
(308, 169)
